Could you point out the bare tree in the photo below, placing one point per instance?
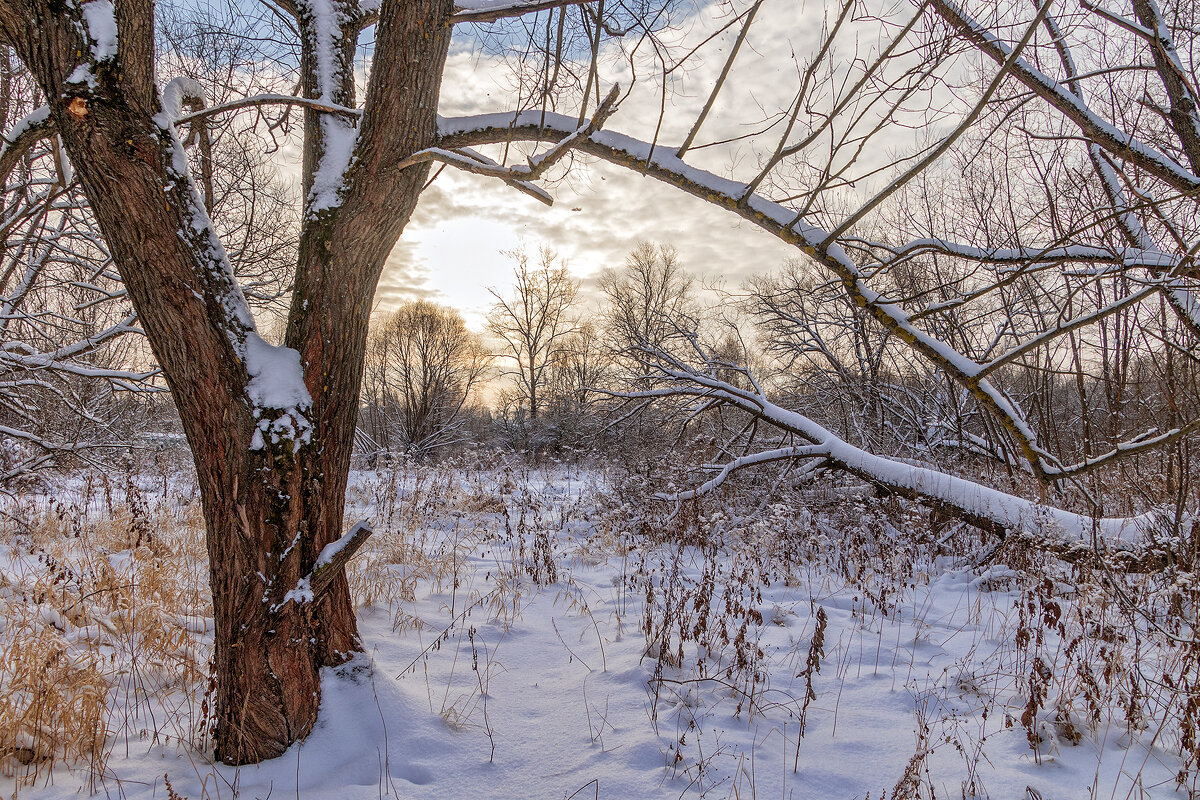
(271, 427)
(648, 305)
(584, 368)
(72, 355)
(577, 401)
(233, 55)
(974, 289)
(534, 323)
(64, 324)
(645, 302)
(423, 367)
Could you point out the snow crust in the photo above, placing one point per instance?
(277, 379)
(301, 594)
(340, 139)
(339, 136)
(82, 74)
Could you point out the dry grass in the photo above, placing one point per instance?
(104, 638)
(54, 703)
(1085, 650)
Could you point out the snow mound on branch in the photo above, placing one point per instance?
(176, 92)
(490, 5)
(33, 119)
(276, 377)
(339, 136)
(277, 382)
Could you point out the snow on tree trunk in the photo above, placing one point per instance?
(270, 428)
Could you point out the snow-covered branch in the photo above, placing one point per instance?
(493, 10)
(259, 100)
(520, 176)
(663, 164)
(62, 316)
(1125, 541)
(24, 134)
(1150, 257)
(469, 160)
(724, 471)
(1094, 127)
(330, 563)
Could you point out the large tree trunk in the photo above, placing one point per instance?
(269, 510)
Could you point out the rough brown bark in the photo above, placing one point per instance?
(268, 512)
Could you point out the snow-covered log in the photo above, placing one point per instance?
(1128, 543)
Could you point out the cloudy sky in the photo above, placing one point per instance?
(453, 250)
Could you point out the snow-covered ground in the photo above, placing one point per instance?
(529, 635)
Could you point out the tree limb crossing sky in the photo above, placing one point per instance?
(452, 251)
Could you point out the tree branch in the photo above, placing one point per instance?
(25, 134)
(1122, 541)
(352, 114)
(519, 177)
(1098, 130)
(494, 10)
(335, 555)
(330, 563)
(662, 164)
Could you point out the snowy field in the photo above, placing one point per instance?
(537, 634)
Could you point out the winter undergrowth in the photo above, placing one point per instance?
(552, 628)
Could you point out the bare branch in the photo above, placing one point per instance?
(724, 471)
(662, 164)
(720, 82)
(937, 152)
(1094, 127)
(24, 135)
(1070, 536)
(352, 114)
(493, 10)
(520, 176)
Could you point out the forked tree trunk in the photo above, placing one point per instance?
(268, 511)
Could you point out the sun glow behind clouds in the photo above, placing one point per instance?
(452, 260)
(453, 250)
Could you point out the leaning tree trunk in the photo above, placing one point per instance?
(271, 502)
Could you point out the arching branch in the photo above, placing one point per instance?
(662, 164)
(1123, 542)
(34, 128)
